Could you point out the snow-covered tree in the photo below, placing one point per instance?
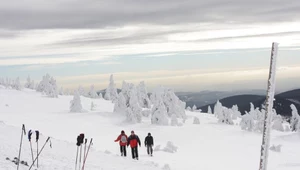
(142, 95)
(48, 86)
(295, 119)
(209, 110)
(218, 109)
(29, 83)
(92, 93)
(194, 108)
(16, 84)
(196, 120)
(134, 111)
(159, 113)
(225, 116)
(120, 105)
(254, 113)
(111, 91)
(173, 104)
(81, 91)
(260, 118)
(92, 106)
(247, 122)
(235, 112)
(75, 104)
(67, 92)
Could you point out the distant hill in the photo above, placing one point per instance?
(281, 104)
(204, 98)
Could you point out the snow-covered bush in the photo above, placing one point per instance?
(247, 122)
(253, 112)
(295, 119)
(111, 91)
(92, 93)
(159, 113)
(277, 123)
(174, 120)
(75, 104)
(146, 112)
(100, 96)
(259, 122)
(189, 108)
(142, 95)
(170, 147)
(92, 106)
(276, 148)
(196, 120)
(225, 116)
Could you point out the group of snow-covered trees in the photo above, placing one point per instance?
(254, 119)
(11, 83)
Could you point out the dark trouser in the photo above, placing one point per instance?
(134, 153)
(149, 149)
(123, 150)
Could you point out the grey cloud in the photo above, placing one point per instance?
(35, 14)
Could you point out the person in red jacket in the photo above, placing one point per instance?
(134, 141)
(123, 141)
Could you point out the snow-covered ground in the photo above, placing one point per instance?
(208, 145)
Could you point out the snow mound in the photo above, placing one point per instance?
(170, 148)
(276, 148)
(166, 167)
(196, 121)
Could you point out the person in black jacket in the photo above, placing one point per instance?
(149, 144)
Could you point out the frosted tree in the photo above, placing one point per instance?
(159, 113)
(16, 84)
(173, 104)
(92, 93)
(194, 108)
(174, 120)
(29, 83)
(260, 117)
(81, 91)
(295, 119)
(142, 94)
(111, 91)
(235, 112)
(253, 112)
(218, 109)
(120, 105)
(134, 111)
(225, 116)
(51, 90)
(126, 88)
(247, 122)
(75, 104)
(209, 110)
(61, 91)
(43, 85)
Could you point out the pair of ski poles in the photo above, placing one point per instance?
(85, 154)
(37, 134)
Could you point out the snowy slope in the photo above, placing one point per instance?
(206, 146)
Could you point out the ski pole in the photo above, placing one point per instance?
(37, 136)
(87, 154)
(29, 138)
(41, 151)
(80, 156)
(23, 132)
(76, 157)
(85, 141)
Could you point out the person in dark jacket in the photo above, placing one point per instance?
(133, 140)
(149, 144)
(123, 141)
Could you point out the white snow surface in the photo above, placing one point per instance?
(209, 146)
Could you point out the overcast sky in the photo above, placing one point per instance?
(189, 45)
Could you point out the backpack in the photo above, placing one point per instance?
(123, 139)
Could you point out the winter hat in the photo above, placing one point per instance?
(122, 132)
(149, 134)
(132, 131)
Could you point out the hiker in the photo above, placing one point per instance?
(123, 141)
(149, 144)
(133, 141)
